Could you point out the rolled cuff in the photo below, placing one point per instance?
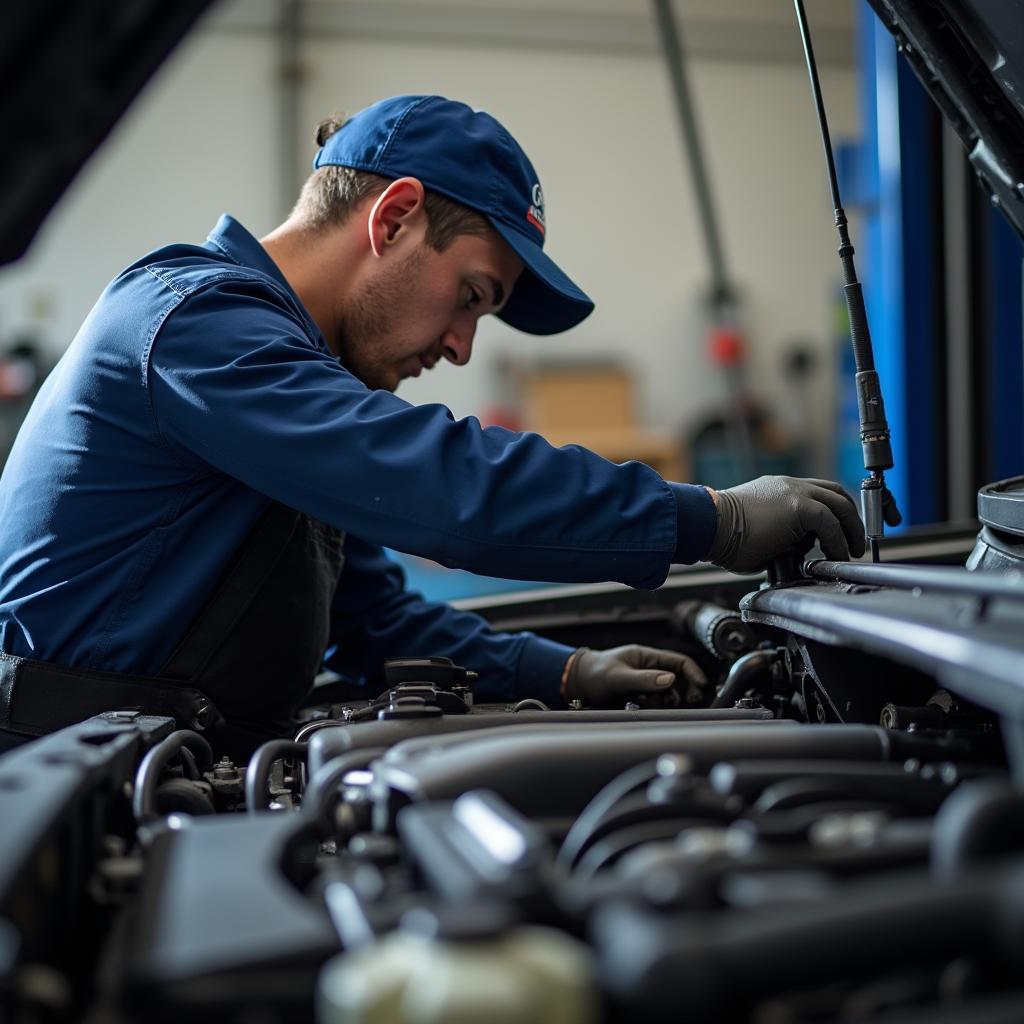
(696, 522)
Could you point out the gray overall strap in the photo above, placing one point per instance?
(238, 588)
(37, 698)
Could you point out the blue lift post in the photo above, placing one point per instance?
(894, 180)
(897, 181)
(1004, 295)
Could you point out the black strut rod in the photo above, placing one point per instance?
(877, 503)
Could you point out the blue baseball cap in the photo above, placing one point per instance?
(468, 156)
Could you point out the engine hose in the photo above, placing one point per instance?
(609, 848)
(619, 788)
(653, 962)
(302, 736)
(147, 779)
(742, 675)
(257, 774)
(325, 781)
(980, 822)
(529, 704)
(180, 796)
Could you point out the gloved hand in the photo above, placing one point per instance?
(760, 519)
(602, 678)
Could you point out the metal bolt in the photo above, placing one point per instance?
(632, 706)
(839, 830)
(704, 843)
(819, 711)
(576, 705)
(670, 765)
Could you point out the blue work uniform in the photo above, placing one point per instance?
(197, 395)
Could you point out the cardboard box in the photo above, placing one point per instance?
(581, 396)
(593, 405)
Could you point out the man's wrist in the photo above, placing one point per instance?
(565, 675)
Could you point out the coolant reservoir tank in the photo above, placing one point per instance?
(1000, 543)
(453, 968)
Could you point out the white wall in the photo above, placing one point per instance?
(598, 125)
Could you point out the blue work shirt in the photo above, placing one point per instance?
(197, 389)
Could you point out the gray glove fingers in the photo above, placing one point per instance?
(640, 656)
(682, 664)
(819, 519)
(657, 657)
(829, 485)
(646, 681)
(844, 509)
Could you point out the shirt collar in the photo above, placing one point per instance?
(244, 249)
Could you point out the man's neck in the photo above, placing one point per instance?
(317, 265)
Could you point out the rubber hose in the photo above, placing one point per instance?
(741, 676)
(147, 779)
(257, 773)
(979, 821)
(325, 781)
(180, 796)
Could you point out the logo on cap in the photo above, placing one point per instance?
(535, 212)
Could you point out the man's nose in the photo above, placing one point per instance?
(457, 343)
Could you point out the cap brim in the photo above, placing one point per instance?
(544, 300)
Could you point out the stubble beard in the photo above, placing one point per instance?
(369, 342)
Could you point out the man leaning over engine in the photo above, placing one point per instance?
(199, 498)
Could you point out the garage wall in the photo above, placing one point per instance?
(598, 123)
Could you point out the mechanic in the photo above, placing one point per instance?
(197, 503)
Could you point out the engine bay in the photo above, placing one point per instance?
(828, 831)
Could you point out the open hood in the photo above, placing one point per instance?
(969, 54)
(67, 73)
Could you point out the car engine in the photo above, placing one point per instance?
(829, 831)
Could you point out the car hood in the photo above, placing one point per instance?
(969, 55)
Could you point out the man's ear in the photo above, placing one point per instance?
(397, 209)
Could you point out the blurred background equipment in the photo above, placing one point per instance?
(731, 446)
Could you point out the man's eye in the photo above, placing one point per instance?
(473, 298)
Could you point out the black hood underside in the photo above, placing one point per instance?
(969, 54)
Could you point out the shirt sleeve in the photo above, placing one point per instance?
(374, 617)
(236, 382)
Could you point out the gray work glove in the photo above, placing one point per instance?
(644, 674)
(760, 519)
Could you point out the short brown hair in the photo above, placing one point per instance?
(331, 193)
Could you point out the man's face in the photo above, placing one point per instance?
(422, 306)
